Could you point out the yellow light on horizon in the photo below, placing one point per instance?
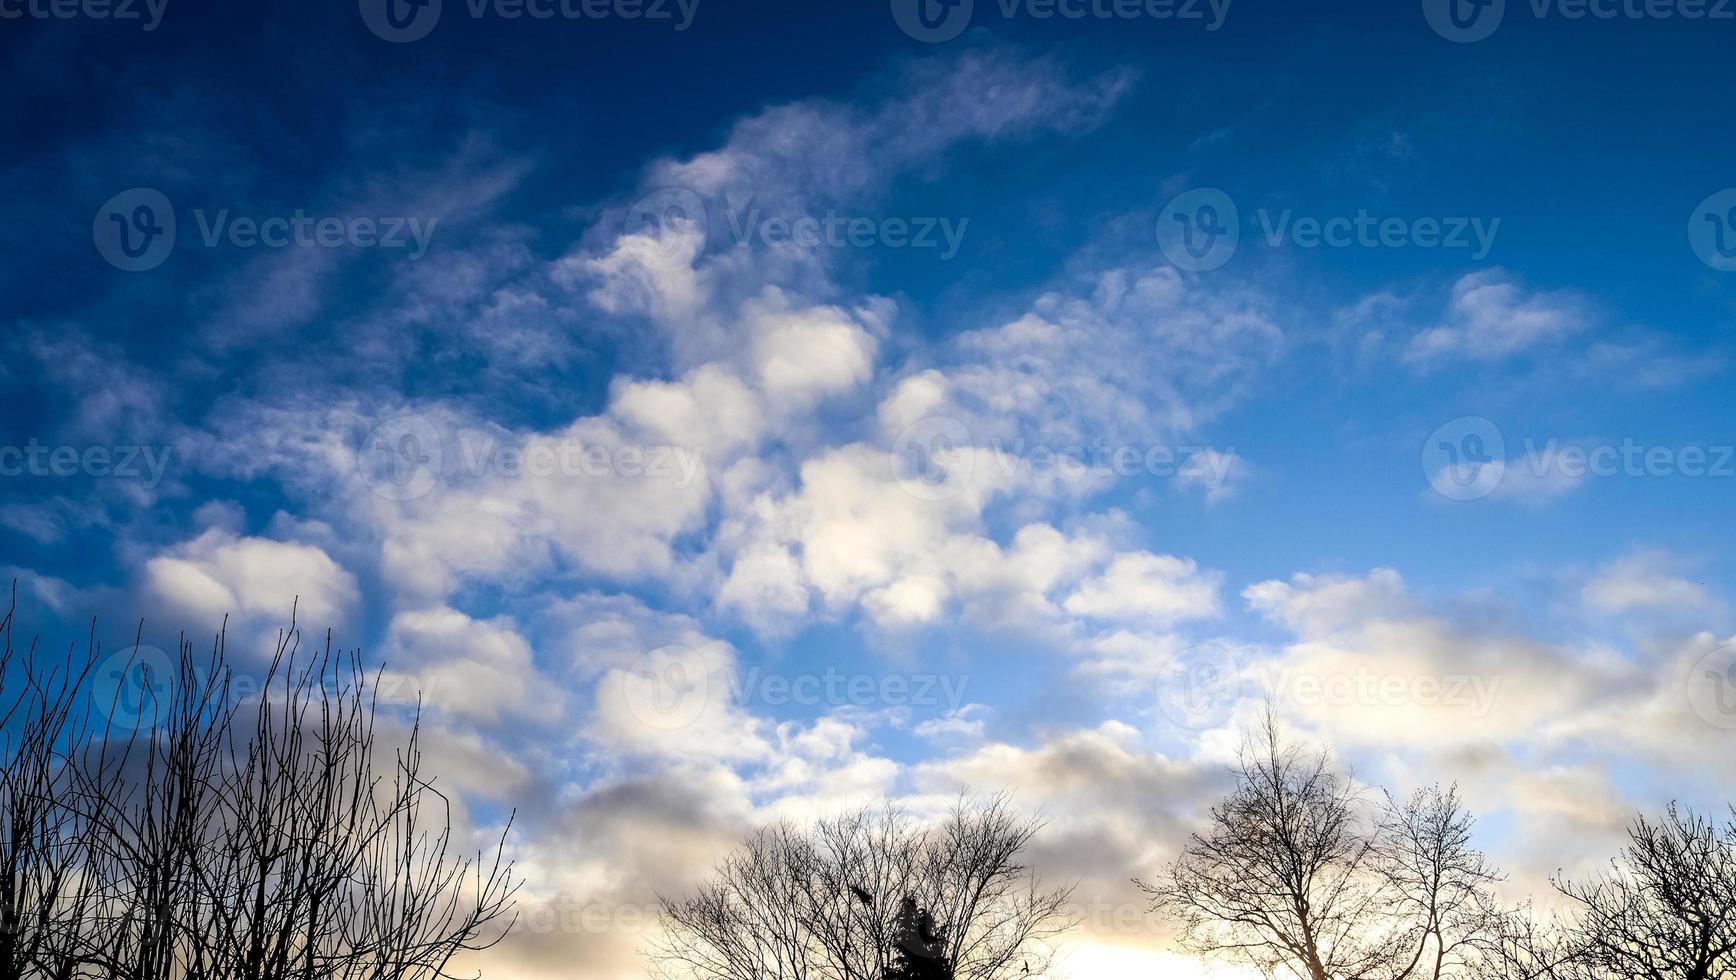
(1103, 961)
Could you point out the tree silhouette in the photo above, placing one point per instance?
(919, 945)
(1666, 909)
(870, 895)
(1296, 875)
(211, 840)
(46, 902)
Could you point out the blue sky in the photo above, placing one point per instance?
(549, 234)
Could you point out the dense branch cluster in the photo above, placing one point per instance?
(1297, 875)
(219, 839)
(871, 895)
(1666, 908)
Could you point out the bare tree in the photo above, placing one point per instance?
(1441, 884)
(1297, 876)
(1666, 909)
(271, 840)
(45, 898)
(866, 895)
(1523, 947)
(148, 791)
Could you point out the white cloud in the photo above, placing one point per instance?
(1133, 356)
(1111, 811)
(710, 409)
(649, 272)
(1536, 479)
(482, 670)
(853, 536)
(1643, 581)
(677, 703)
(1490, 316)
(619, 517)
(766, 587)
(1374, 667)
(1144, 587)
(1313, 605)
(804, 355)
(220, 573)
(1371, 666)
